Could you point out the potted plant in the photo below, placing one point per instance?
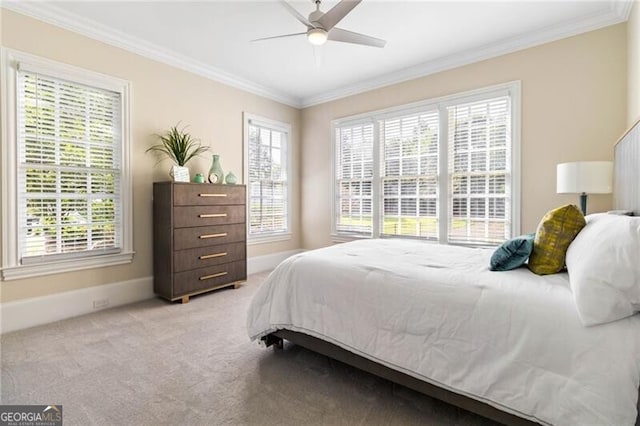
(180, 147)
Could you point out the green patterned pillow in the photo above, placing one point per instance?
(554, 234)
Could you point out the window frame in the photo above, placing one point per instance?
(374, 188)
(383, 177)
(511, 89)
(12, 266)
(285, 128)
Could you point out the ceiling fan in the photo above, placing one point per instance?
(322, 26)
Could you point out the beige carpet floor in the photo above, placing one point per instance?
(156, 363)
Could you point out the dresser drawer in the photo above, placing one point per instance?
(207, 215)
(204, 194)
(203, 236)
(206, 278)
(185, 260)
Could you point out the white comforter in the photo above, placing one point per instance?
(510, 339)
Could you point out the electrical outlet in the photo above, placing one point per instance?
(100, 304)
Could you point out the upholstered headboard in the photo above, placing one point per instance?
(626, 171)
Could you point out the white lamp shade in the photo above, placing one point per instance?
(589, 177)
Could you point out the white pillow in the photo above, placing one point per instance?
(604, 268)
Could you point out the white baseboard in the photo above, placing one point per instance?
(35, 311)
(45, 309)
(268, 261)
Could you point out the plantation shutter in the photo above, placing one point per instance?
(409, 175)
(354, 179)
(268, 181)
(479, 169)
(69, 168)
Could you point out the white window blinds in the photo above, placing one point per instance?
(354, 179)
(69, 168)
(267, 179)
(409, 175)
(479, 167)
(442, 170)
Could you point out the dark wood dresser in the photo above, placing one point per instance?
(199, 238)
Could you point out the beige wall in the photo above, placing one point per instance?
(574, 107)
(161, 96)
(633, 75)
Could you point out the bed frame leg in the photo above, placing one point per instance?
(278, 345)
(271, 340)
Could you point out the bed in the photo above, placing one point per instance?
(507, 345)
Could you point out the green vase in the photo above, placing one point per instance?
(230, 179)
(216, 175)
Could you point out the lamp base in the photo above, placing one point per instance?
(583, 203)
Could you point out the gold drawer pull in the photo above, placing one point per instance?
(213, 215)
(208, 277)
(223, 234)
(212, 195)
(211, 256)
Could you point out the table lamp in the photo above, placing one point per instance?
(585, 177)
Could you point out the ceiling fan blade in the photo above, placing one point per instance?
(279, 36)
(337, 12)
(292, 10)
(338, 34)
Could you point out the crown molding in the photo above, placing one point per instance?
(622, 8)
(72, 22)
(619, 12)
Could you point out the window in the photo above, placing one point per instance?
(409, 175)
(354, 179)
(65, 160)
(479, 154)
(443, 170)
(267, 171)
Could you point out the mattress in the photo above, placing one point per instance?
(510, 339)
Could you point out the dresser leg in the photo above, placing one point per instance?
(236, 284)
(185, 299)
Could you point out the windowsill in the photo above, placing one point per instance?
(474, 244)
(59, 267)
(265, 239)
(340, 238)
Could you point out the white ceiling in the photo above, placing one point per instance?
(212, 38)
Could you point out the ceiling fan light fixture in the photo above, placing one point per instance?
(317, 36)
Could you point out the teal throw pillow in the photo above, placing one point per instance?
(512, 253)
